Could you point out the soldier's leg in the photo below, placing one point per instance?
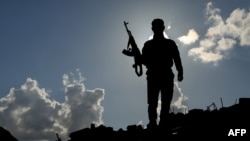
(153, 94)
(166, 98)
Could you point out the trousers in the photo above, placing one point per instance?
(159, 85)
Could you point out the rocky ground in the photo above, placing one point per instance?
(217, 123)
(224, 122)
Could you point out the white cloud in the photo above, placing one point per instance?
(179, 99)
(225, 44)
(238, 26)
(204, 55)
(223, 35)
(191, 37)
(30, 114)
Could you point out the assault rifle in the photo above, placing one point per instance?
(133, 51)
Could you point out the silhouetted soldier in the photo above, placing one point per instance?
(159, 55)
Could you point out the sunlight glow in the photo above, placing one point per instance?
(164, 33)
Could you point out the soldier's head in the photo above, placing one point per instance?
(158, 26)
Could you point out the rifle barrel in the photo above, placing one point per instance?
(125, 24)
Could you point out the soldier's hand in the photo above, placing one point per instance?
(180, 76)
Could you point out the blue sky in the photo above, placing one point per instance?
(57, 45)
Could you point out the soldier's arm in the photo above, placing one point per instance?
(144, 55)
(178, 62)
